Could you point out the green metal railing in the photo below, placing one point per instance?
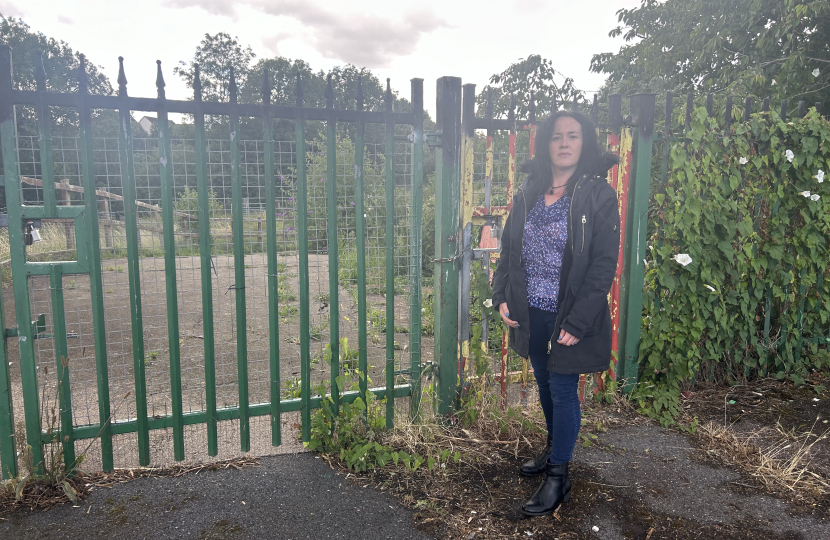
(165, 311)
(212, 336)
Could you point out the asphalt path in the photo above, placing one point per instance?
(289, 496)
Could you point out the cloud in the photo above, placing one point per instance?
(214, 7)
(272, 42)
(356, 38)
(64, 19)
(8, 9)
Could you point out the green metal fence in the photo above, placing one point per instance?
(202, 292)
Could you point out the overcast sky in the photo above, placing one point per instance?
(471, 39)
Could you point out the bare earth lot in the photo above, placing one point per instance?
(120, 359)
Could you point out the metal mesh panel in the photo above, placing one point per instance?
(59, 237)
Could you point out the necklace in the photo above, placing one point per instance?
(552, 188)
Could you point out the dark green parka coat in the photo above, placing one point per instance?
(588, 269)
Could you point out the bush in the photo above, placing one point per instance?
(750, 209)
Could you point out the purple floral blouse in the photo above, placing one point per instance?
(545, 236)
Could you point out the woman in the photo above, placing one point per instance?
(558, 259)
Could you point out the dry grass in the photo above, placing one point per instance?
(479, 424)
(781, 466)
(44, 496)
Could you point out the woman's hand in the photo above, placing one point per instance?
(566, 339)
(505, 313)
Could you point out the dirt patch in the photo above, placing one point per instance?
(774, 432)
(122, 365)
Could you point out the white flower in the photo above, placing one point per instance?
(819, 176)
(488, 302)
(710, 288)
(743, 161)
(773, 82)
(683, 258)
(815, 197)
(790, 155)
(805, 194)
(816, 72)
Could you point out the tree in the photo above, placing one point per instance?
(775, 48)
(217, 55)
(533, 76)
(60, 63)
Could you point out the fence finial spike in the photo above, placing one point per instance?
(122, 78)
(488, 105)
(197, 83)
(511, 112)
(387, 97)
(232, 88)
(159, 80)
(40, 72)
(595, 109)
(329, 93)
(298, 89)
(554, 105)
(82, 78)
(532, 108)
(359, 93)
(575, 105)
(266, 87)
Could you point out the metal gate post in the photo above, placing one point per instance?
(417, 187)
(642, 112)
(466, 229)
(447, 204)
(8, 458)
(28, 366)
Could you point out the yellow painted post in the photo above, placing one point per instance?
(466, 225)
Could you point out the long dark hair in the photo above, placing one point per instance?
(592, 160)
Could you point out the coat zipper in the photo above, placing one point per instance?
(583, 234)
(570, 213)
(570, 223)
(521, 253)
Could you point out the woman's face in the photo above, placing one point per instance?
(566, 143)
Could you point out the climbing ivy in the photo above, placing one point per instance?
(740, 245)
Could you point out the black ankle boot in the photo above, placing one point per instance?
(555, 490)
(537, 465)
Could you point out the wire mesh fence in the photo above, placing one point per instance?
(58, 244)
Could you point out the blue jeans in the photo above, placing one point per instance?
(557, 393)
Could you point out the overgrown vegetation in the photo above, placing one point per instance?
(743, 226)
(52, 477)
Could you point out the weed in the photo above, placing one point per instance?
(316, 330)
(286, 311)
(119, 268)
(52, 472)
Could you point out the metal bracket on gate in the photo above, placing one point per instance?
(494, 222)
(433, 138)
(38, 330)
